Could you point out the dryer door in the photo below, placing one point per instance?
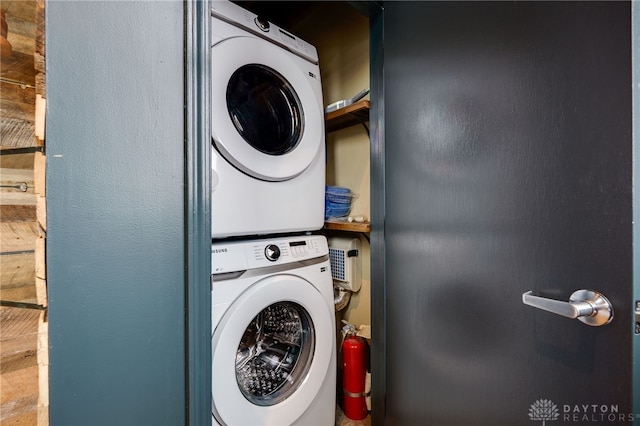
(271, 353)
(267, 119)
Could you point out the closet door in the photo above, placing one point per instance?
(116, 213)
(508, 170)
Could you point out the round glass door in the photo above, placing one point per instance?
(265, 109)
(275, 353)
(274, 342)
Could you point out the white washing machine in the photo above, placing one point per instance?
(268, 128)
(273, 339)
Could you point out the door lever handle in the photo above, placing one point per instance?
(589, 306)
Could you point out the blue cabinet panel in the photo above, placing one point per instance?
(115, 192)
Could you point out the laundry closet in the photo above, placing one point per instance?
(340, 33)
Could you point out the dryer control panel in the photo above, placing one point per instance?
(236, 15)
(235, 256)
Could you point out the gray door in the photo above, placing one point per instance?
(508, 168)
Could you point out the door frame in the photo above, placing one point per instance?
(197, 199)
(635, 77)
(377, 240)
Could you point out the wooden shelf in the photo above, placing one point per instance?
(348, 116)
(340, 119)
(348, 226)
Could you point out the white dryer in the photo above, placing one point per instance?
(273, 340)
(268, 127)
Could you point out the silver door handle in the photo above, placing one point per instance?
(589, 306)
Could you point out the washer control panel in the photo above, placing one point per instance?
(243, 255)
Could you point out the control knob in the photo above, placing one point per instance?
(272, 252)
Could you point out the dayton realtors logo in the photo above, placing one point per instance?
(545, 410)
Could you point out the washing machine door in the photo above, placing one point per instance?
(267, 119)
(271, 353)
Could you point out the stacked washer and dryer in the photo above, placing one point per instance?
(273, 323)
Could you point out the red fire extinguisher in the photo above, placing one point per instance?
(354, 371)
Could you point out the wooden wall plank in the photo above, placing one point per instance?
(17, 385)
(18, 213)
(40, 266)
(18, 348)
(17, 198)
(24, 395)
(17, 133)
(19, 397)
(23, 27)
(15, 108)
(40, 83)
(25, 294)
(19, 352)
(20, 43)
(28, 418)
(43, 370)
(14, 196)
(17, 93)
(22, 9)
(16, 270)
(40, 29)
(18, 278)
(18, 322)
(16, 176)
(41, 108)
(18, 236)
(41, 292)
(41, 213)
(19, 160)
(19, 67)
(18, 103)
